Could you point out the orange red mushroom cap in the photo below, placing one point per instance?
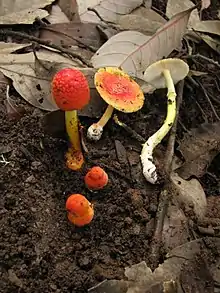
(119, 90)
(80, 210)
(96, 178)
(70, 89)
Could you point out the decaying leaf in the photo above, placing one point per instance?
(190, 194)
(70, 8)
(57, 15)
(7, 48)
(176, 6)
(175, 230)
(214, 43)
(149, 14)
(190, 263)
(205, 4)
(73, 34)
(208, 26)
(143, 20)
(34, 88)
(22, 11)
(198, 148)
(134, 52)
(108, 10)
(148, 3)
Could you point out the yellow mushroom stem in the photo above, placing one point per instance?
(149, 169)
(96, 129)
(74, 155)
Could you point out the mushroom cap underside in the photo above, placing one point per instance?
(154, 73)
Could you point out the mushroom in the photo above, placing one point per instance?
(71, 92)
(80, 211)
(162, 74)
(119, 91)
(96, 178)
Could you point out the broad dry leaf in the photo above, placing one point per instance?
(189, 194)
(70, 8)
(72, 34)
(134, 52)
(205, 4)
(21, 68)
(57, 15)
(22, 11)
(7, 48)
(214, 43)
(148, 3)
(143, 20)
(176, 6)
(208, 26)
(149, 14)
(109, 10)
(198, 148)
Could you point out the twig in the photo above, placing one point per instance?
(3, 161)
(204, 58)
(209, 101)
(156, 242)
(172, 138)
(44, 43)
(133, 133)
(164, 196)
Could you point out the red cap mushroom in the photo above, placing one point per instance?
(119, 91)
(80, 211)
(96, 178)
(71, 92)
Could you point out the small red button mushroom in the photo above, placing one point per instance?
(71, 92)
(80, 211)
(96, 178)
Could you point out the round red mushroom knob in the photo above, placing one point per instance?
(80, 211)
(96, 178)
(70, 89)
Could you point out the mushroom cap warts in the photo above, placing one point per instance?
(80, 210)
(119, 90)
(96, 178)
(154, 73)
(70, 89)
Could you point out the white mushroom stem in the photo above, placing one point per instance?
(96, 129)
(149, 169)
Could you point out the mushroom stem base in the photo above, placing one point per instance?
(95, 130)
(149, 169)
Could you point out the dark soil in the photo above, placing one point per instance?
(40, 251)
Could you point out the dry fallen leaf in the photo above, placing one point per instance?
(56, 15)
(189, 193)
(72, 34)
(198, 148)
(196, 73)
(109, 10)
(134, 52)
(205, 4)
(208, 26)
(186, 264)
(70, 8)
(22, 11)
(7, 48)
(143, 20)
(214, 43)
(176, 6)
(35, 89)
